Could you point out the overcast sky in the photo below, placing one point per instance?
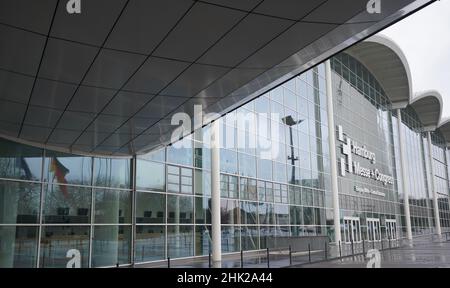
(424, 37)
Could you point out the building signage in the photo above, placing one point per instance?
(363, 190)
(350, 147)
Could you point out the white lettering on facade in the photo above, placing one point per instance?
(350, 147)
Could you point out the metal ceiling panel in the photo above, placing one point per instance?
(145, 24)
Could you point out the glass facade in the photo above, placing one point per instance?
(363, 111)
(274, 182)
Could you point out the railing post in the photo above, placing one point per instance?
(309, 252)
(389, 243)
(209, 259)
(326, 251)
(340, 251)
(382, 245)
(268, 258)
(290, 255)
(242, 259)
(353, 251)
(364, 249)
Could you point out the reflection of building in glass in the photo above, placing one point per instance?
(158, 205)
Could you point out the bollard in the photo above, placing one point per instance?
(364, 249)
(390, 243)
(309, 252)
(326, 251)
(290, 255)
(382, 245)
(373, 244)
(117, 265)
(242, 259)
(340, 250)
(268, 258)
(168, 262)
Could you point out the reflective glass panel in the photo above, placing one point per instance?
(150, 208)
(56, 243)
(112, 172)
(180, 209)
(19, 202)
(111, 245)
(67, 204)
(180, 241)
(150, 243)
(112, 206)
(150, 175)
(18, 246)
(68, 169)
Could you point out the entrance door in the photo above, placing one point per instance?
(391, 229)
(373, 229)
(352, 230)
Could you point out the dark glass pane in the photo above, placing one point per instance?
(308, 217)
(19, 161)
(266, 215)
(202, 210)
(56, 243)
(248, 212)
(202, 182)
(231, 239)
(111, 245)
(68, 169)
(112, 172)
(250, 238)
(180, 209)
(19, 202)
(150, 208)
(67, 204)
(296, 214)
(202, 240)
(150, 175)
(18, 246)
(180, 241)
(229, 211)
(150, 243)
(112, 206)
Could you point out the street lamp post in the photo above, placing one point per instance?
(289, 121)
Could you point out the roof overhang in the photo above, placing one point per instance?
(384, 58)
(428, 106)
(108, 81)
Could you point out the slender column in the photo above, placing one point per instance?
(332, 144)
(405, 183)
(433, 186)
(215, 195)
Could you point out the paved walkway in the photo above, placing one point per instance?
(425, 253)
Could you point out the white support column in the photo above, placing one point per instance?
(333, 159)
(405, 183)
(433, 186)
(215, 195)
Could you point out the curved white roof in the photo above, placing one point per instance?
(388, 64)
(428, 105)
